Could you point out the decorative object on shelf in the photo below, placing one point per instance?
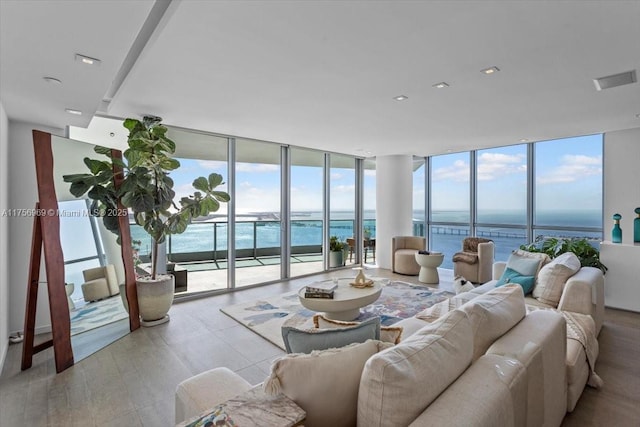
(147, 190)
(616, 233)
(361, 281)
(636, 227)
(588, 254)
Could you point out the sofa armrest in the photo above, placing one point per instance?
(584, 293)
(498, 269)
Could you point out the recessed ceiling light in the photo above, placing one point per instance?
(637, 116)
(490, 70)
(441, 85)
(400, 97)
(72, 111)
(87, 59)
(52, 80)
(524, 140)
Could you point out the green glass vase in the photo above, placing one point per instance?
(636, 227)
(616, 233)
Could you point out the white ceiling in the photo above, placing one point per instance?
(323, 74)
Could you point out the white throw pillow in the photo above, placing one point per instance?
(493, 314)
(553, 276)
(392, 334)
(324, 383)
(397, 384)
(544, 258)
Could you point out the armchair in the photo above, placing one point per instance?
(403, 254)
(475, 261)
(99, 283)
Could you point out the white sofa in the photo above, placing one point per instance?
(583, 293)
(486, 363)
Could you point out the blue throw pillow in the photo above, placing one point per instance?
(512, 276)
(306, 340)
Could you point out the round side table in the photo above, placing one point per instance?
(429, 264)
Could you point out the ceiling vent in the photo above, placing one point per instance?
(621, 79)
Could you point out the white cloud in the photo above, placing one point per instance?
(212, 164)
(573, 168)
(458, 172)
(370, 172)
(336, 176)
(495, 165)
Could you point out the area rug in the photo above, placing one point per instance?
(96, 314)
(265, 317)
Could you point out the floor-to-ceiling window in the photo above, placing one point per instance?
(565, 195)
(501, 197)
(568, 188)
(450, 204)
(306, 192)
(342, 195)
(257, 202)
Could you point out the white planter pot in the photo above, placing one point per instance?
(336, 259)
(155, 298)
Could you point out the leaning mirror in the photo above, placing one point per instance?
(93, 266)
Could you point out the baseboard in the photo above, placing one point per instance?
(46, 329)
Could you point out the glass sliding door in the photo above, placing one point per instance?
(257, 215)
(369, 211)
(306, 211)
(342, 202)
(202, 249)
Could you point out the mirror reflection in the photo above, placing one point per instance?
(94, 271)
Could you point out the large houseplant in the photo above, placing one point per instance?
(147, 190)
(588, 255)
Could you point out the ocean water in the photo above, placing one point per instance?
(306, 229)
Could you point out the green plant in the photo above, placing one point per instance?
(335, 245)
(588, 255)
(146, 187)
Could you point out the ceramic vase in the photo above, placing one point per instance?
(616, 233)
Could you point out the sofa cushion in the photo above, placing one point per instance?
(324, 383)
(306, 340)
(492, 392)
(397, 384)
(512, 276)
(553, 276)
(544, 258)
(391, 334)
(493, 314)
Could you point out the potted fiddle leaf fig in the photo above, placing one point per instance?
(147, 190)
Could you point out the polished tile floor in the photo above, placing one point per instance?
(132, 381)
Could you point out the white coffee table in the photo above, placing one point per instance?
(346, 302)
(429, 267)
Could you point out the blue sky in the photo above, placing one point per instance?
(568, 175)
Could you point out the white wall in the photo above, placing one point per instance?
(4, 238)
(394, 203)
(23, 195)
(621, 180)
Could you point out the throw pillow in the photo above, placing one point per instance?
(493, 314)
(391, 334)
(306, 340)
(324, 383)
(398, 383)
(544, 258)
(553, 276)
(512, 276)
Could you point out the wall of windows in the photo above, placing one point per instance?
(495, 193)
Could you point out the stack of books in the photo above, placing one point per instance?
(320, 290)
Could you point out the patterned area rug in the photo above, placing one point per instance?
(398, 301)
(97, 313)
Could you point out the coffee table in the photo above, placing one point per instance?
(429, 264)
(346, 302)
